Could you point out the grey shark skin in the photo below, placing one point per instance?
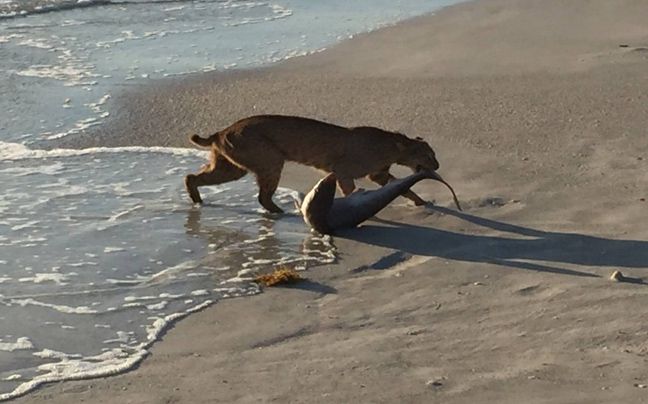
(326, 214)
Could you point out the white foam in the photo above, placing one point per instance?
(30, 224)
(35, 43)
(278, 12)
(124, 213)
(257, 262)
(44, 169)
(82, 264)
(21, 344)
(51, 354)
(177, 8)
(136, 298)
(57, 307)
(8, 38)
(69, 23)
(157, 306)
(172, 272)
(96, 105)
(79, 127)
(123, 281)
(111, 362)
(47, 277)
(109, 250)
(72, 75)
(17, 151)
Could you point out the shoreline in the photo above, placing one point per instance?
(136, 98)
(504, 303)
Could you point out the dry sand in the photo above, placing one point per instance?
(540, 120)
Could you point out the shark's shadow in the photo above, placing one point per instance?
(526, 245)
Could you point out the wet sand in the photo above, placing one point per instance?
(537, 111)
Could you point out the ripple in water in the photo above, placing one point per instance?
(100, 250)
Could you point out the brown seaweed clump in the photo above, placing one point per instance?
(280, 276)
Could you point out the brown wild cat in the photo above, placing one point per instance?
(261, 145)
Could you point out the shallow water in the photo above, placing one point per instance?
(100, 249)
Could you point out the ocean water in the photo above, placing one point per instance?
(100, 248)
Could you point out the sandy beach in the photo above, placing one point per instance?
(537, 111)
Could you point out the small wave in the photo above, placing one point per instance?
(18, 151)
(25, 8)
(58, 307)
(115, 361)
(20, 8)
